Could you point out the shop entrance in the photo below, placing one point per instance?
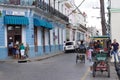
(36, 39)
(43, 37)
(13, 36)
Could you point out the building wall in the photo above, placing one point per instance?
(28, 34)
(3, 44)
(57, 34)
(115, 4)
(115, 24)
(74, 19)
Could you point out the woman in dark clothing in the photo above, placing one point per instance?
(14, 51)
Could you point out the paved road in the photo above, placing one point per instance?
(62, 67)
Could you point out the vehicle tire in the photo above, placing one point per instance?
(65, 51)
(76, 58)
(76, 61)
(108, 69)
(84, 58)
(94, 71)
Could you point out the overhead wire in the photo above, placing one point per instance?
(76, 7)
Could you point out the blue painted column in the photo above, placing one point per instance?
(3, 45)
(30, 34)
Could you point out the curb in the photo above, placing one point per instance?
(44, 57)
(32, 59)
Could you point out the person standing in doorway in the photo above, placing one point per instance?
(14, 51)
(17, 52)
(22, 51)
(115, 48)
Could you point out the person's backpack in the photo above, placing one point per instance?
(82, 48)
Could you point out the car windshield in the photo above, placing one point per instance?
(69, 43)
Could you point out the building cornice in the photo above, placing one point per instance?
(36, 10)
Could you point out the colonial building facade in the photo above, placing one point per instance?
(76, 29)
(31, 22)
(43, 24)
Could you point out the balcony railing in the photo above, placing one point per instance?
(42, 5)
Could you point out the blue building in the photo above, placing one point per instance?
(33, 24)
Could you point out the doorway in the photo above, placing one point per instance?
(43, 37)
(36, 39)
(13, 36)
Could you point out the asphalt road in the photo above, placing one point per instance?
(62, 67)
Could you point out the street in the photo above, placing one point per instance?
(62, 67)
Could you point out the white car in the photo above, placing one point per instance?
(69, 45)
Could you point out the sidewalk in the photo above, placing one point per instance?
(33, 59)
(113, 72)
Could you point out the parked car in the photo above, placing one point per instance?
(69, 46)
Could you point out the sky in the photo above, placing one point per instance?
(92, 9)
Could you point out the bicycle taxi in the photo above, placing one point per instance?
(101, 57)
(81, 52)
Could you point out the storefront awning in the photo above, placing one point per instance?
(49, 25)
(100, 37)
(17, 20)
(39, 22)
(42, 23)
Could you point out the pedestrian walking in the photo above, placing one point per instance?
(115, 48)
(89, 56)
(27, 50)
(22, 51)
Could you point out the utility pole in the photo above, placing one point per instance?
(102, 11)
(49, 5)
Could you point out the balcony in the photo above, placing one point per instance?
(40, 4)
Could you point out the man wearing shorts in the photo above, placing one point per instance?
(22, 51)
